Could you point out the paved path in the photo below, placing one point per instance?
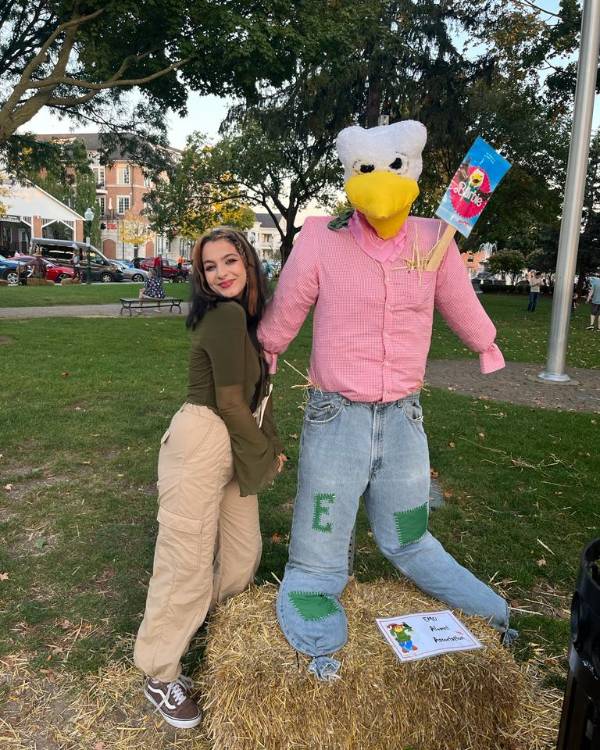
(517, 383)
(76, 311)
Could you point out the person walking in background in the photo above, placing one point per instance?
(594, 298)
(220, 449)
(157, 265)
(535, 284)
(38, 266)
(76, 261)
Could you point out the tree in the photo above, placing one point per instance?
(271, 163)
(80, 57)
(359, 59)
(3, 194)
(589, 242)
(133, 230)
(188, 205)
(509, 262)
(401, 58)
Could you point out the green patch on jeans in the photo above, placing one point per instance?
(322, 501)
(313, 606)
(411, 524)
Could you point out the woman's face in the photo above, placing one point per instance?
(224, 268)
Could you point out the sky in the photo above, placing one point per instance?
(205, 114)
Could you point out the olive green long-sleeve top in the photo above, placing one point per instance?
(224, 375)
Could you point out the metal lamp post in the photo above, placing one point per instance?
(89, 218)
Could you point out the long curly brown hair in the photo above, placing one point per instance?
(204, 298)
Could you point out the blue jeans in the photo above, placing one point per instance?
(379, 451)
(533, 298)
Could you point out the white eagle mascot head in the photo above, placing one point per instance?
(381, 169)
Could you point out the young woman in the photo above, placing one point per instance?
(220, 449)
(153, 287)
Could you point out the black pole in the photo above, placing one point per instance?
(580, 718)
(88, 226)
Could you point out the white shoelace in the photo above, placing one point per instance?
(177, 691)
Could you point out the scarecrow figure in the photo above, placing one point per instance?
(403, 634)
(374, 294)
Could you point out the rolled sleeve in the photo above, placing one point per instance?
(491, 360)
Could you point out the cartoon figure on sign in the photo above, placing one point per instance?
(470, 190)
(402, 633)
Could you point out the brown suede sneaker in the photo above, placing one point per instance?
(173, 702)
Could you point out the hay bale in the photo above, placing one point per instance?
(259, 694)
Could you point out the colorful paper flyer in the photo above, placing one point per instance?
(471, 187)
(426, 634)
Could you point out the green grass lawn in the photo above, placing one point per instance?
(78, 294)
(82, 408)
(523, 336)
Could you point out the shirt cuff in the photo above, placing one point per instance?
(271, 360)
(491, 360)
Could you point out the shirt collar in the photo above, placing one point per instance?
(369, 241)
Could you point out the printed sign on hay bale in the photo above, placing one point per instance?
(426, 634)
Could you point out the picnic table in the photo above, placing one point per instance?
(142, 303)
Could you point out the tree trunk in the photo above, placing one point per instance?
(373, 102)
(286, 246)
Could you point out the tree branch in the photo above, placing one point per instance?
(113, 80)
(23, 84)
(537, 7)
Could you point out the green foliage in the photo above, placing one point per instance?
(402, 59)
(100, 50)
(194, 199)
(509, 262)
(589, 244)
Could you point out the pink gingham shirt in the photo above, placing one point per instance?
(373, 309)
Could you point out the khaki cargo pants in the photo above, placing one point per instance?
(208, 546)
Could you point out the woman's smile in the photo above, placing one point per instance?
(224, 268)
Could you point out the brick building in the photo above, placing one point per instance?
(120, 190)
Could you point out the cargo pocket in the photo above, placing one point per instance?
(182, 539)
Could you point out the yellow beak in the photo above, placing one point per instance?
(384, 198)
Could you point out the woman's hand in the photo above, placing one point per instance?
(282, 458)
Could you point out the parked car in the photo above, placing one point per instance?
(62, 252)
(13, 271)
(169, 269)
(54, 271)
(130, 273)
